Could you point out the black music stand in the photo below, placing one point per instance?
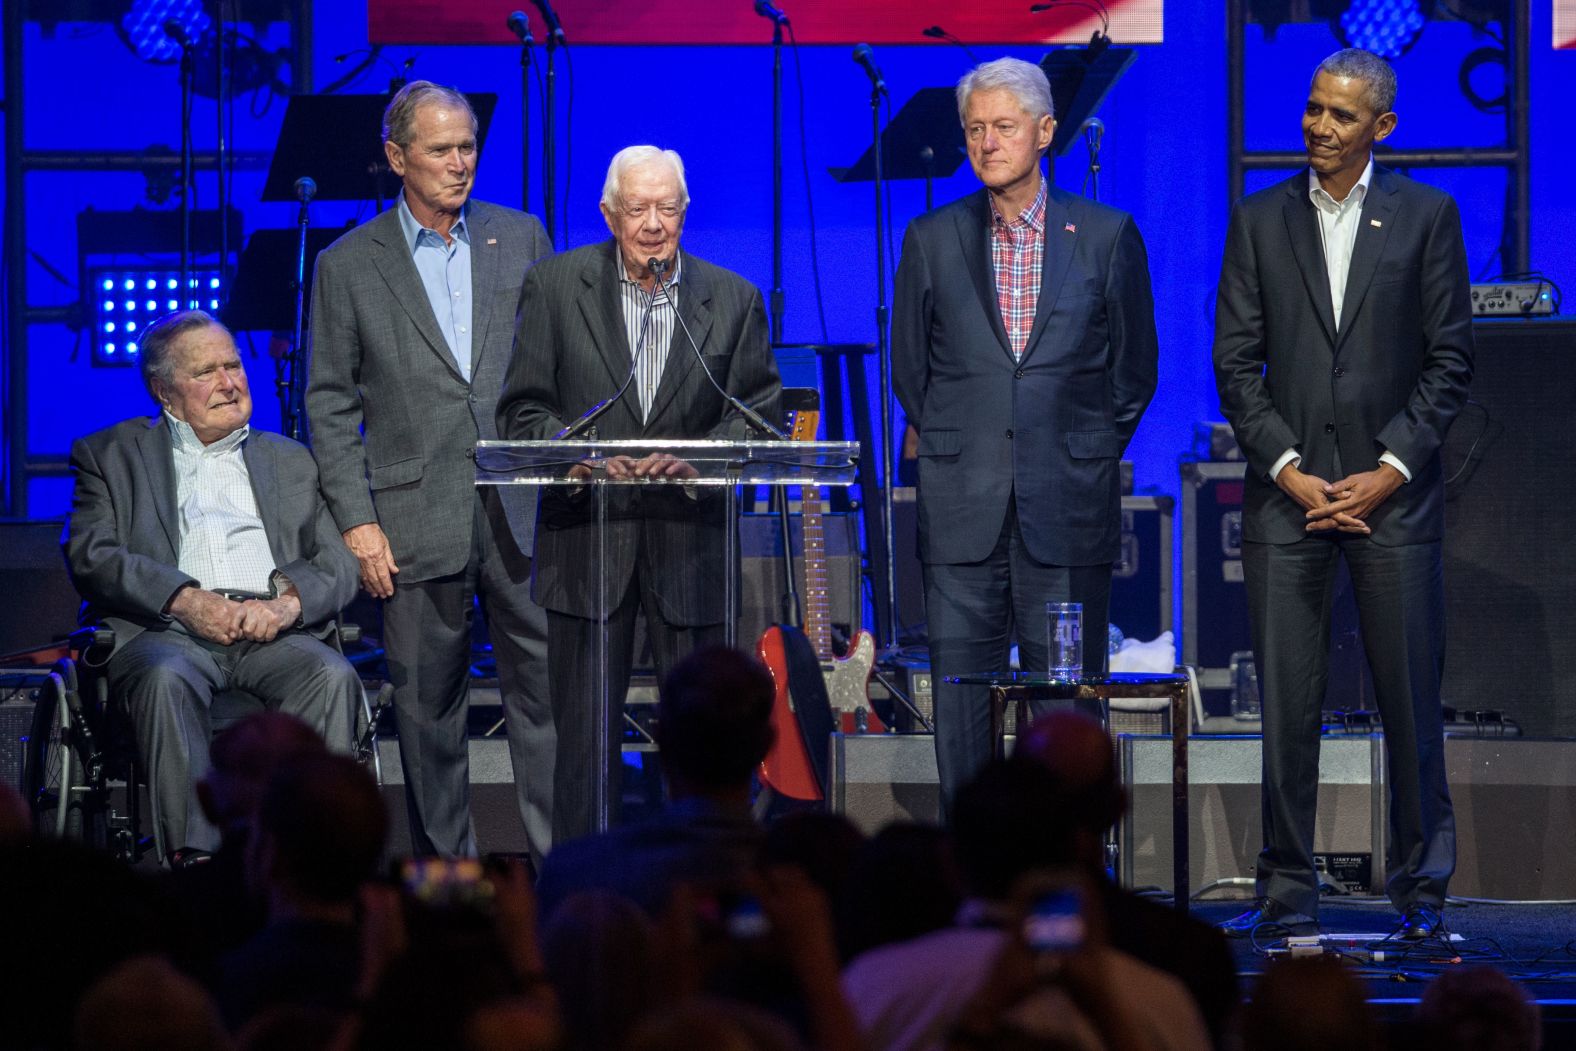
(337, 140)
(262, 298)
(927, 121)
(1081, 77)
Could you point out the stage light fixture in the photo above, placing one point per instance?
(1386, 27)
(143, 24)
(125, 303)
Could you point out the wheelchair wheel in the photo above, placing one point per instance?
(55, 764)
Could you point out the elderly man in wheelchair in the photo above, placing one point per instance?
(207, 548)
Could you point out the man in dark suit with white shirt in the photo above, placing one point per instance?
(1024, 352)
(595, 322)
(1343, 351)
(412, 320)
(207, 548)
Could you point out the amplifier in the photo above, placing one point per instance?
(1215, 629)
(1514, 299)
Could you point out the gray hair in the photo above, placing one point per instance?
(1356, 64)
(631, 157)
(400, 116)
(1025, 80)
(160, 337)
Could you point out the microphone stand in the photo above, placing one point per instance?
(549, 161)
(1094, 133)
(295, 390)
(525, 120)
(777, 187)
(884, 357)
(188, 177)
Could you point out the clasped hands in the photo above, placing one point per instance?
(226, 621)
(1341, 506)
(653, 465)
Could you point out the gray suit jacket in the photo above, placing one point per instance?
(122, 542)
(571, 352)
(380, 365)
(1048, 428)
(1392, 377)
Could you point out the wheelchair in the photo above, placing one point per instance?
(80, 772)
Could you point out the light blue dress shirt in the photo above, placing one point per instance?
(445, 269)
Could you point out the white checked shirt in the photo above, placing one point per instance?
(651, 353)
(223, 543)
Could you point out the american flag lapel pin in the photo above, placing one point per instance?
(1375, 222)
(1070, 228)
(492, 240)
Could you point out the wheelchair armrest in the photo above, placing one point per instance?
(93, 643)
(349, 633)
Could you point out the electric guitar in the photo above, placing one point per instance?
(816, 691)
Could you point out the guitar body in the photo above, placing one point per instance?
(788, 768)
(848, 686)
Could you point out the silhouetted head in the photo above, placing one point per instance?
(714, 721)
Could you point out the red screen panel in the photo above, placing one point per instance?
(735, 22)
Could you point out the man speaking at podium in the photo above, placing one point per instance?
(674, 350)
(1023, 350)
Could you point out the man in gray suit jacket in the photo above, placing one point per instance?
(1024, 352)
(206, 546)
(412, 320)
(1343, 351)
(595, 322)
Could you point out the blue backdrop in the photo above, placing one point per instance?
(1164, 160)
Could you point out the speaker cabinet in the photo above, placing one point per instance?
(880, 778)
(1224, 831)
(1509, 500)
(40, 605)
(495, 809)
(761, 570)
(1512, 798)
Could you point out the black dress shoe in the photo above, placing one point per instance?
(186, 857)
(1421, 921)
(1269, 919)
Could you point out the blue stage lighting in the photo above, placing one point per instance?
(129, 316)
(143, 27)
(1386, 27)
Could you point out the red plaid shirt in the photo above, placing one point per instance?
(1017, 252)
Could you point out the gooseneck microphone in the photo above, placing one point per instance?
(520, 26)
(867, 61)
(750, 415)
(597, 411)
(555, 29)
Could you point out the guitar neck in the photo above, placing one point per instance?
(817, 595)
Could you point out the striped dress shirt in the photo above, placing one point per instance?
(1017, 253)
(651, 351)
(223, 543)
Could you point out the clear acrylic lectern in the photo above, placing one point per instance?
(720, 464)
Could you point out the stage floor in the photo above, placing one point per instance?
(1532, 942)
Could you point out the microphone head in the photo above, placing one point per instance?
(934, 32)
(519, 24)
(305, 189)
(657, 266)
(176, 32)
(863, 54)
